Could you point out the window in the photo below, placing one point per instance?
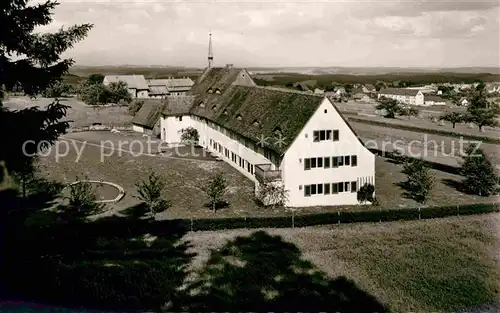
(307, 164)
(328, 135)
(335, 162)
(248, 166)
(336, 135)
(313, 163)
(341, 187)
(327, 189)
(251, 168)
(347, 160)
(346, 186)
(313, 189)
(307, 190)
(322, 135)
(335, 188)
(320, 189)
(320, 162)
(354, 187)
(354, 160)
(316, 136)
(326, 162)
(340, 160)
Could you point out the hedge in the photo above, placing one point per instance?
(441, 132)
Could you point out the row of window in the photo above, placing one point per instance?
(324, 135)
(234, 157)
(336, 161)
(329, 188)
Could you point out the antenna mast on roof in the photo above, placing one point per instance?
(210, 52)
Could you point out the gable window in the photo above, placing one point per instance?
(316, 136)
(307, 190)
(354, 160)
(347, 160)
(336, 135)
(326, 162)
(307, 164)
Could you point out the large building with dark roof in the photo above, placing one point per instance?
(272, 136)
(403, 95)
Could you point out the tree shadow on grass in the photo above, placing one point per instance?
(406, 189)
(263, 273)
(457, 185)
(131, 264)
(219, 205)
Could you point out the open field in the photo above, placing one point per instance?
(419, 266)
(79, 113)
(185, 174)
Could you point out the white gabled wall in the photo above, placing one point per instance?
(171, 126)
(304, 147)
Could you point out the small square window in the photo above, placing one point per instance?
(300, 187)
(326, 111)
(326, 162)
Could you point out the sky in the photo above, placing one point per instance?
(404, 33)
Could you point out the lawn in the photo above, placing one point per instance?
(78, 113)
(185, 177)
(417, 266)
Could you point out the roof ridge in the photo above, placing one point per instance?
(288, 90)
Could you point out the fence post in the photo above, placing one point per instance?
(293, 219)
(191, 223)
(245, 221)
(418, 212)
(458, 210)
(338, 221)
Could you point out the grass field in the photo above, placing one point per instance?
(79, 113)
(185, 177)
(420, 266)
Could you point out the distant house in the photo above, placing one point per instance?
(160, 88)
(492, 88)
(319, 91)
(361, 97)
(340, 91)
(136, 84)
(434, 100)
(403, 95)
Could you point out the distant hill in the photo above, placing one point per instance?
(374, 70)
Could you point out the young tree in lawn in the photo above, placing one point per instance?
(420, 180)
(37, 68)
(57, 90)
(480, 175)
(150, 192)
(453, 118)
(390, 106)
(215, 189)
(409, 110)
(95, 79)
(365, 193)
(118, 91)
(190, 135)
(82, 200)
(272, 193)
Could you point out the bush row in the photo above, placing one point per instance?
(441, 132)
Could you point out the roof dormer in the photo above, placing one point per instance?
(255, 123)
(225, 112)
(217, 91)
(239, 117)
(277, 131)
(214, 107)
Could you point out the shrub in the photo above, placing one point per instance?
(150, 193)
(420, 180)
(480, 174)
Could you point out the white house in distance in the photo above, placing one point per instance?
(160, 88)
(403, 95)
(137, 84)
(293, 138)
(434, 100)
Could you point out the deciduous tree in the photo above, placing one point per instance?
(482, 112)
(390, 106)
(273, 193)
(453, 118)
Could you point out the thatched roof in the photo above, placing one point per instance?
(177, 105)
(216, 78)
(256, 112)
(148, 114)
